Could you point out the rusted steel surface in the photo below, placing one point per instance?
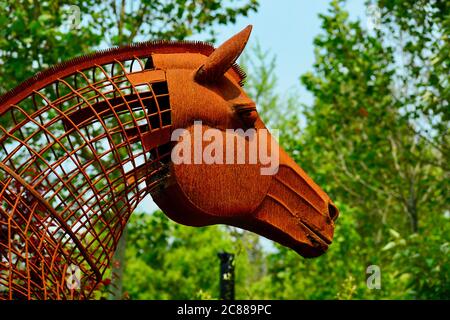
(82, 143)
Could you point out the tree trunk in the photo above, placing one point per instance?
(411, 206)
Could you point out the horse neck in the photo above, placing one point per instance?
(79, 158)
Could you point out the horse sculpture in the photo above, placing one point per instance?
(82, 143)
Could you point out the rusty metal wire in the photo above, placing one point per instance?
(72, 170)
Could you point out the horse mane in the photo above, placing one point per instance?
(137, 50)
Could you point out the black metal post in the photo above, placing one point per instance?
(226, 276)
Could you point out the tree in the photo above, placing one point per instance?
(377, 140)
(165, 260)
(36, 35)
(361, 120)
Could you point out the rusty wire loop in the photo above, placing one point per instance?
(73, 168)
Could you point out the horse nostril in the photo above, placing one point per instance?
(333, 211)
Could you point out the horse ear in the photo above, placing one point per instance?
(223, 57)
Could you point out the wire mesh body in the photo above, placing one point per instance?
(82, 143)
(73, 167)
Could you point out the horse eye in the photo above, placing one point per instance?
(249, 117)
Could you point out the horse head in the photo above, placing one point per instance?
(285, 206)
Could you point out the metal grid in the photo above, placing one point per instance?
(73, 167)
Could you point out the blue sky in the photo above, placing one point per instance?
(286, 28)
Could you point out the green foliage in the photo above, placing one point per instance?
(165, 260)
(365, 144)
(35, 35)
(420, 262)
